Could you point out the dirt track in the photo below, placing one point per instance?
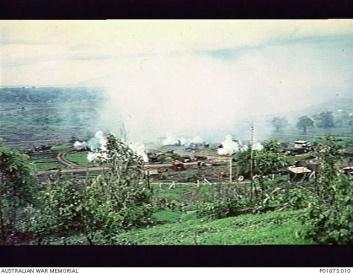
(61, 158)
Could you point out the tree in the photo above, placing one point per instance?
(101, 207)
(330, 214)
(304, 123)
(272, 145)
(17, 187)
(325, 120)
(123, 164)
(343, 119)
(279, 123)
(267, 161)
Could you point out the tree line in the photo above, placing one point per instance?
(323, 120)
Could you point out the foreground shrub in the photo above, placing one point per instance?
(17, 187)
(331, 223)
(99, 207)
(329, 218)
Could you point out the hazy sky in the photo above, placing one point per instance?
(200, 75)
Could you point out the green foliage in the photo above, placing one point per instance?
(284, 198)
(330, 216)
(16, 189)
(123, 164)
(328, 154)
(243, 160)
(267, 228)
(168, 215)
(79, 158)
(58, 209)
(100, 207)
(272, 145)
(331, 223)
(110, 207)
(269, 162)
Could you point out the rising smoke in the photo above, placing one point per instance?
(212, 95)
(98, 147)
(173, 140)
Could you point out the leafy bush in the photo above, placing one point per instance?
(329, 218)
(99, 207)
(331, 223)
(223, 203)
(285, 199)
(16, 191)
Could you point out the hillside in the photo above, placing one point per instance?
(269, 228)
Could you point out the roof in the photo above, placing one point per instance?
(298, 170)
(300, 141)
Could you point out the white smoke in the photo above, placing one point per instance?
(257, 146)
(140, 150)
(98, 147)
(229, 146)
(170, 140)
(173, 140)
(99, 141)
(80, 145)
(191, 94)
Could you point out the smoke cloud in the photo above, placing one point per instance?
(208, 95)
(98, 146)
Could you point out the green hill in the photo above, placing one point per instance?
(269, 228)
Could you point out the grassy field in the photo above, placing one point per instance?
(268, 228)
(79, 158)
(45, 163)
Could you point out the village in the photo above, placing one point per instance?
(194, 163)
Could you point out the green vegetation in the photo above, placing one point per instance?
(16, 192)
(46, 166)
(98, 208)
(45, 162)
(269, 228)
(167, 216)
(80, 158)
(120, 207)
(330, 215)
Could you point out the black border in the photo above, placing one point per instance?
(176, 256)
(175, 9)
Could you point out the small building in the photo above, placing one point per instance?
(297, 174)
(152, 172)
(300, 144)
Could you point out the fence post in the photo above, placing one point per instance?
(172, 185)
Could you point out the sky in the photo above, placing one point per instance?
(184, 77)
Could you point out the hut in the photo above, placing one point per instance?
(297, 174)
